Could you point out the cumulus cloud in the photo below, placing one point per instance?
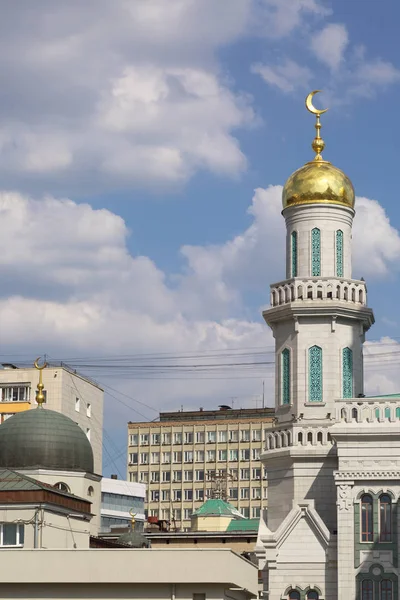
(330, 44)
(287, 76)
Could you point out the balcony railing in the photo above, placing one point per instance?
(368, 410)
(318, 288)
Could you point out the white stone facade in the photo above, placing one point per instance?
(333, 458)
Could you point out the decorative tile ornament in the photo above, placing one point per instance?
(316, 252)
(339, 254)
(347, 372)
(293, 243)
(315, 374)
(286, 376)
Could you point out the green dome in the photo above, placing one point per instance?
(44, 439)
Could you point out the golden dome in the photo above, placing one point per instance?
(318, 182)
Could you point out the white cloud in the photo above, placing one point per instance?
(288, 76)
(278, 18)
(330, 44)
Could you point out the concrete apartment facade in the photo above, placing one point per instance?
(120, 500)
(185, 457)
(67, 392)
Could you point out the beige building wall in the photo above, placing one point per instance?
(111, 574)
(66, 392)
(178, 460)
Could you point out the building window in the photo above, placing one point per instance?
(199, 475)
(165, 495)
(222, 455)
(245, 435)
(90, 490)
(187, 513)
(367, 527)
(245, 454)
(166, 476)
(312, 595)
(177, 514)
(177, 495)
(188, 494)
(256, 473)
(211, 455)
(256, 453)
(211, 437)
(245, 474)
(222, 436)
(245, 510)
(367, 589)
(177, 475)
(189, 437)
(166, 457)
(200, 437)
(385, 518)
(233, 435)
(233, 493)
(177, 457)
(62, 487)
(188, 475)
(154, 495)
(177, 437)
(255, 512)
(144, 458)
(199, 495)
(88, 410)
(347, 372)
(15, 393)
(294, 595)
(88, 433)
(256, 493)
(12, 534)
(339, 253)
(155, 458)
(154, 476)
(155, 439)
(386, 590)
(144, 439)
(166, 438)
(315, 374)
(233, 455)
(293, 243)
(77, 404)
(199, 455)
(143, 476)
(133, 477)
(285, 365)
(315, 252)
(133, 439)
(245, 493)
(188, 456)
(133, 458)
(256, 435)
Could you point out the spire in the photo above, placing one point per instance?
(40, 397)
(318, 143)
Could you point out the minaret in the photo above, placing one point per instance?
(318, 317)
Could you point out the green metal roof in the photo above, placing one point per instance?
(217, 507)
(43, 438)
(243, 525)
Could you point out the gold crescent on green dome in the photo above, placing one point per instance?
(311, 107)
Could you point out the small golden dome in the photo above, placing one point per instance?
(318, 182)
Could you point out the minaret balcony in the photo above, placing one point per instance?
(368, 410)
(301, 290)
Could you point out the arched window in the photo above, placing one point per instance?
(387, 413)
(339, 253)
(294, 595)
(367, 589)
(300, 438)
(62, 487)
(385, 518)
(398, 413)
(293, 244)
(315, 374)
(90, 490)
(312, 595)
(347, 373)
(285, 364)
(367, 527)
(386, 590)
(315, 252)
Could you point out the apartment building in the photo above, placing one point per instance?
(66, 391)
(187, 457)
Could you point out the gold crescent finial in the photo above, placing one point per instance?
(318, 143)
(40, 397)
(133, 520)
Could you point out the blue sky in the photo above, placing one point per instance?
(142, 149)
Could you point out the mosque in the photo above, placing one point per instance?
(333, 457)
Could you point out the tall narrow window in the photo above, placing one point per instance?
(347, 372)
(367, 589)
(315, 374)
(286, 376)
(386, 590)
(293, 244)
(316, 252)
(385, 518)
(367, 527)
(339, 253)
